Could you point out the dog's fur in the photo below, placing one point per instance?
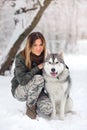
(58, 83)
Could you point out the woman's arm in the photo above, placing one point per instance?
(23, 74)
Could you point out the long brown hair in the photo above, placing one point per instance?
(30, 41)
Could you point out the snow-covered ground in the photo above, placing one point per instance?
(12, 112)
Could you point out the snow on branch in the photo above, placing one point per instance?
(41, 2)
(24, 10)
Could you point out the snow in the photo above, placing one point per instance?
(12, 112)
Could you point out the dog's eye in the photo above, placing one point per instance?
(49, 62)
(57, 62)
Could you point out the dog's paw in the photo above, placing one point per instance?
(73, 112)
(53, 116)
(61, 117)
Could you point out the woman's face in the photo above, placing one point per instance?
(37, 47)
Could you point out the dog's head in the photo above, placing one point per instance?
(54, 65)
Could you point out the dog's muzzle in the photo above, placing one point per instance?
(53, 72)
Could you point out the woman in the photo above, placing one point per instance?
(28, 82)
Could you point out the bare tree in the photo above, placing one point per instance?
(71, 35)
(11, 55)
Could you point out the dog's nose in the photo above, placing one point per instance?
(53, 69)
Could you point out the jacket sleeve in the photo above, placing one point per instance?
(23, 74)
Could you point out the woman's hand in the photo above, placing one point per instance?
(40, 66)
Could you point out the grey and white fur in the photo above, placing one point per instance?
(58, 84)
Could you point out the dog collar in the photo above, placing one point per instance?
(57, 77)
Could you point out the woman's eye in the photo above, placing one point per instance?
(41, 44)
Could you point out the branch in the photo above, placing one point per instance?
(24, 10)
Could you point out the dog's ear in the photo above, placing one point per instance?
(47, 53)
(61, 54)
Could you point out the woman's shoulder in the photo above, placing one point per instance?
(19, 58)
(18, 55)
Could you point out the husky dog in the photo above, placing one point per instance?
(58, 83)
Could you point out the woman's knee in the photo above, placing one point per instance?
(38, 79)
(20, 94)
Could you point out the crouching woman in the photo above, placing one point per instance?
(28, 82)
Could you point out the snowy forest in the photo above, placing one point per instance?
(62, 22)
(64, 26)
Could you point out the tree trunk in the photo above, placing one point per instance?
(11, 55)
